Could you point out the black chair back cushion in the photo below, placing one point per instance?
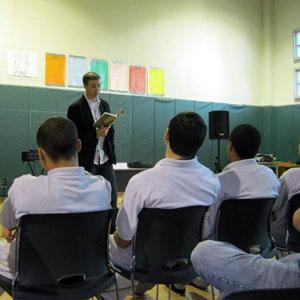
(293, 240)
(245, 224)
(59, 252)
(164, 241)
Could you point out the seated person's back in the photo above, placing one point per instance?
(243, 178)
(66, 188)
(290, 185)
(178, 180)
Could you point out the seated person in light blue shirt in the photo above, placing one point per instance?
(231, 270)
(243, 178)
(178, 180)
(66, 188)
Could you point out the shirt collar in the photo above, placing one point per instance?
(91, 101)
(240, 163)
(177, 162)
(67, 171)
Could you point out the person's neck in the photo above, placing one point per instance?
(62, 164)
(173, 155)
(235, 158)
(90, 98)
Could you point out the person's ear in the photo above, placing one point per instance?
(167, 135)
(41, 154)
(78, 145)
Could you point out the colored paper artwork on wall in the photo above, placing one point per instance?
(156, 81)
(101, 67)
(119, 77)
(22, 64)
(137, 80)
(55, 69)
(77, 67)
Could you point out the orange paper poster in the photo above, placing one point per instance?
(156, 85)
(55, 69)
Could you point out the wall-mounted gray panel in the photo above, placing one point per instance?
(184, 105)
(164, 112)
(296, 133)
(123, 126)
(143, 129)
(14, 140)
(14, 97)
(284, 133)
(105, 97)
(65, 98)
(268, 133)
(43, 99)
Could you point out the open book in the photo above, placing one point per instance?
(106, 119)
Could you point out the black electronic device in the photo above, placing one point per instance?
(218, 129)
(218, 124)
(30, 155)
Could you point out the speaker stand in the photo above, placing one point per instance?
(218, 160)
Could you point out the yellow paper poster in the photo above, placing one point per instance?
(156, 84)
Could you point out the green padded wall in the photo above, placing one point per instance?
(14, 130)
(284, 131)
(164, 112)
(143, 129)
(123, 126)
(140, 131)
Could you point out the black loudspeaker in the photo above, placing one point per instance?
(218, 124)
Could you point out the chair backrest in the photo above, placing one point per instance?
(266, 294)
(165, 239)
(293, 237)
(62, 249)
(245, 224)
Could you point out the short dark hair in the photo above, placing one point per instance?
(58, 137)
(90, 76)
(245, 140)
(187, 132)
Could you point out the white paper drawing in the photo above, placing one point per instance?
(22, 64)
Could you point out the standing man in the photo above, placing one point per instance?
(98, 150)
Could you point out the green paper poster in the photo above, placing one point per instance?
(101, 67)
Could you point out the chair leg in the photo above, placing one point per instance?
(169, 295)
(157, 288)
(117, 288)
(132, 287)
(213, 292)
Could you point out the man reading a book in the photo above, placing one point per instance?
(98, 150)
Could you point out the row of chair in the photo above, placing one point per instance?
(65, 256)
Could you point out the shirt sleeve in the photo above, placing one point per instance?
(283, 194)
(127, 219)
(7, 215)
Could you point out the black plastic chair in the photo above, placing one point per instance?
(163, 245)
(293, 236)
(62, 256)
(245, 224)
(266, 294)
